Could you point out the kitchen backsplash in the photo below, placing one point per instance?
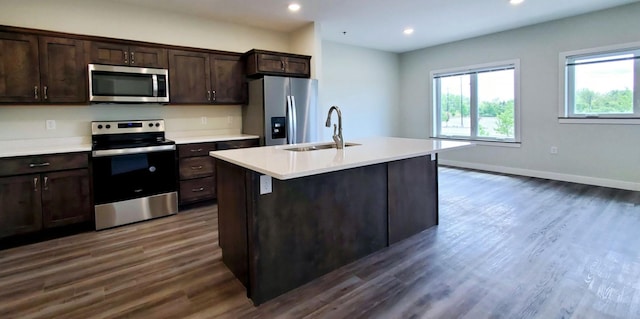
(30, 122)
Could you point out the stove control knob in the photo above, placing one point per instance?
(99, 126)
(150, 124)
(108, 126)
(157, 124)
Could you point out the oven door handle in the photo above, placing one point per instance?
(133, 150)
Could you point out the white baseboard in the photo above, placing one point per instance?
(547, 175)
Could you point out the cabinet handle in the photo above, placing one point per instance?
(214, 95)
(282, 64)
(196, 150)
(125, 56)
(39, 165)
(45, 92)
(35, 92)
(35, 184)
(208, 95)
(46, 183)
(196, 167)
(133, 57)
(195, 190)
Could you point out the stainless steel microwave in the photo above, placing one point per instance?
(124, 84)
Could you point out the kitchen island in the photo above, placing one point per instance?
(286, 217)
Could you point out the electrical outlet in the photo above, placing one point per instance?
(229, 119)
(203, 120)
(553, 150)
(265, 184)
(51, 124)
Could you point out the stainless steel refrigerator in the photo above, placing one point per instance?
(282, 110)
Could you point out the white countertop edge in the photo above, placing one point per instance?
(43, 146)
(45, 150)
(305, 173)
(210, 138)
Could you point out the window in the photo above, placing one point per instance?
(601, 84)
(477, 103)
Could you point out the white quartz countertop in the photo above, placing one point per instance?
(283, 164)
(44, 146)
(209, 138)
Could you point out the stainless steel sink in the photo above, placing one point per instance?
(317, 147)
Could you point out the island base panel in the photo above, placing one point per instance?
(413, 196)
(232, 218)
(309, 226)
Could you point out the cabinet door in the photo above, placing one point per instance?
(19, 68)
(189, 77)
(63, 73)
(65, 198)
(298, 67)
(271, 63)
(20, 205)
(227, 79)
(108, 53)
(145, 57)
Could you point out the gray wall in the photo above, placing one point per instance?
(364, 84)
(606, 155)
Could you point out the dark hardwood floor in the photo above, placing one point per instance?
(506, 247)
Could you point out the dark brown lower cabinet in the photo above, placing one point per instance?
(65, 198)
(20, 205)
(57, 194)
(197, 170)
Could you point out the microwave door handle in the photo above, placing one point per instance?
(154, 79)
(294, 120)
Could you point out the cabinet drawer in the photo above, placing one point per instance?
(197, 189)
(196, 149)
(42, 163)
(194, 167)
(225, 145)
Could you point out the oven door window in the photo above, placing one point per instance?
(121, 84)
(123, 177)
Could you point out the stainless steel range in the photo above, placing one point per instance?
(134, 172)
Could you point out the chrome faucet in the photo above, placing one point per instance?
(336, 137)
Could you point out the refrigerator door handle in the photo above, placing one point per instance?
(294, 120)
(289, 123)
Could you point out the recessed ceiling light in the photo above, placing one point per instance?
(294, 7)
(408, 31)
(514, 2)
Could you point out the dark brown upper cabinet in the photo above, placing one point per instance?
(122, 54)
(35, 69)
(227, 79)
(203, 78)
(189, 77)
(63, 73)
(259, 62)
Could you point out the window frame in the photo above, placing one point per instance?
(567, 116)
(473, 111)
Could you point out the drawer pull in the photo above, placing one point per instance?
(35, 184)
(197, 150)
(39, 165)
(196, 190)
(195, 168)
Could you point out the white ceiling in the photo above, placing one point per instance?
(378, 24)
